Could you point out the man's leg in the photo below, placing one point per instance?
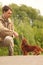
(8, 41)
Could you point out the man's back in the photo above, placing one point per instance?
(5, 23)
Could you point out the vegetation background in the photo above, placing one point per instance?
(27, 22)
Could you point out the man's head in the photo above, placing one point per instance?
(7, 11)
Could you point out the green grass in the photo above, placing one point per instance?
(3, 51)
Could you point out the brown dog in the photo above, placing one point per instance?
(28, 48)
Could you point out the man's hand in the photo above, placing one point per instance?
(15, 34)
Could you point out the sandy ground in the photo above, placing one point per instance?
(21, 60)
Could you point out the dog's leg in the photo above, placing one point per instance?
(36, 52)
(25, 53)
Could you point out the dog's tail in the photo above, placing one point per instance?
(41, 49)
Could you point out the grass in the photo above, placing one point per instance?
(3, 51)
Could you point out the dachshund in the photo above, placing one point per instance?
(26, 48)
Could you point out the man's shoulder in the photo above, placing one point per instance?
(1, 19)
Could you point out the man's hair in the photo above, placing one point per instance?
(5, 8)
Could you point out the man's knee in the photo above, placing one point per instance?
(9, 41)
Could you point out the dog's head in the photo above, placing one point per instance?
(24, 41)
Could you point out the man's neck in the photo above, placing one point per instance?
(4, 16)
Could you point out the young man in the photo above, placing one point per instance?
(7, 30)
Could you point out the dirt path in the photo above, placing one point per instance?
(21, 60)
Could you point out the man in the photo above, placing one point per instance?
(7, 30)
